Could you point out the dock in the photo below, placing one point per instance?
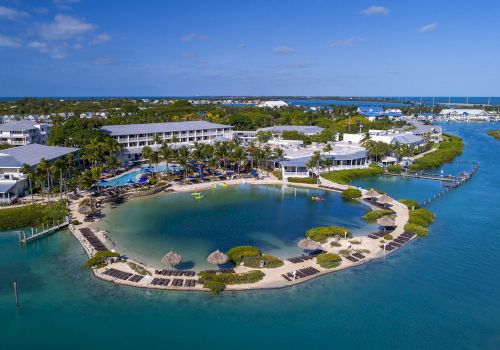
(428, 176)
(25, 239)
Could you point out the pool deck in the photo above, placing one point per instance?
(273, 277)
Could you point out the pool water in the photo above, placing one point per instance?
(129, 177)
(274, 218)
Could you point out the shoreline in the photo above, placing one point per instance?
(273, 278)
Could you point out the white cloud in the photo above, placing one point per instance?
(65, 27)
(37, 45)
(283, 50)
(429, 27)
(192, 36)
(6, 41)
(375, 11)
(346, 42)
(12, 14)
(101, 38)
(53, 50)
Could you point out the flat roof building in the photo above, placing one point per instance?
(23, 132)
(304, 129)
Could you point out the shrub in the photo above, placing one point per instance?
(345, 252)
(269, 261)
(138, 268)
(237, 254)
(420, 231)
(354, 241)
(321, 233)
(75, 222)
(335, 244)
(32, 215)
(422, 217)
(99, 259)
(388, 237)
(373, 215)
(303, 180)
(351, 194)
(410, 203)
(278, 174)
(394, 169)
(328, 260)
(346, 176)
(495, 134)
(447, 150)
(217, 282)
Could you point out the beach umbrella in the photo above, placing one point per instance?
(171, 258)
(309, 244)
(384, 199)
(217, 258)
(386, 221)
(371, 193)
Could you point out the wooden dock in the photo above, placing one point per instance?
(24, 239)
(428, 176)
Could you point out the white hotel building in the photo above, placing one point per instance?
(23, 132)
(133, 137)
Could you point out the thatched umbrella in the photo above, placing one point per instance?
(308, 244)
(386, 221)
(385, 199)
(85, 209)
(171, 258)
(217, 258)
(371, 193)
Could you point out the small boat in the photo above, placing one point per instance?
(317, 199)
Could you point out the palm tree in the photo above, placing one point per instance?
(166, 153)
(183, 157)
(279, 153)
(96, 173)
(154, 158)
(157, 139)
(328, 162)
(113, 163)
(147, 152)
(314, 162)
(198, 155)
(58, 167)
(29, 174)
(238, 155)
(328, 148)
(44, 170)
(253, 152)
(112, 146)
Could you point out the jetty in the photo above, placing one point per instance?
(35, 234)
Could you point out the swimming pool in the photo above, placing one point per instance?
(131, 177)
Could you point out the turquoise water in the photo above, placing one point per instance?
(124, 179)
(272, 218)
(440, 292)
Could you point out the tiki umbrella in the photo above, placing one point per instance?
(386, 221)
(171, 258)
(217, 258)
(85, 209)
(384, 199)
(308, 244)
(372, 193)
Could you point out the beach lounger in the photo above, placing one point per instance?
(350, 258)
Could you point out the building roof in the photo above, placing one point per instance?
(423, 128)
(21, 125)
(457, 111)
(153, 128)
(407, 139)
(32, 154)
(5, 186)
(305, 129)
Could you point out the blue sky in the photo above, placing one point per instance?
(179, 48)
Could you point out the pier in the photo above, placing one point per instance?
(35, 234)
(428, 176)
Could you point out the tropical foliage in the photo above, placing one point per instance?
(322, 233)
(350, 194)
(346, 176)
(237, 254)
(328, 260)
(33, 215)
(373, 215)
(451, 147)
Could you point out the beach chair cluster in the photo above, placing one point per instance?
(300, 259)
(355, 257)
(399, 241)
(379, 234)
(187, 273)
(121, 275)
(220, 271)
(176, 282)
(305, 272)
(92, 239)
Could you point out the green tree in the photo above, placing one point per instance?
(29, 174)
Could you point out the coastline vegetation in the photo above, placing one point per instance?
(394, 169)
(321, 233)
(32, 215)
(419, 221)
(344, 177)
(269, 261)
(351, 194)
(494, 133)
(237, 254)
(303, 180)
(216, 283)
(328, 260)
(410, 203)
(373, 215)
(451, 147)
(99, 259)
(138, 268)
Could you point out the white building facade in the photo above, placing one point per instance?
(23, 132)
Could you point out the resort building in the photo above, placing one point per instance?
(343, 156)
(396, 137)
(12, 180)
(372, 113)
(133, 137)
(245, 137)
(278, 130)
(23, 132)
(272, 104)
(433, 133)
